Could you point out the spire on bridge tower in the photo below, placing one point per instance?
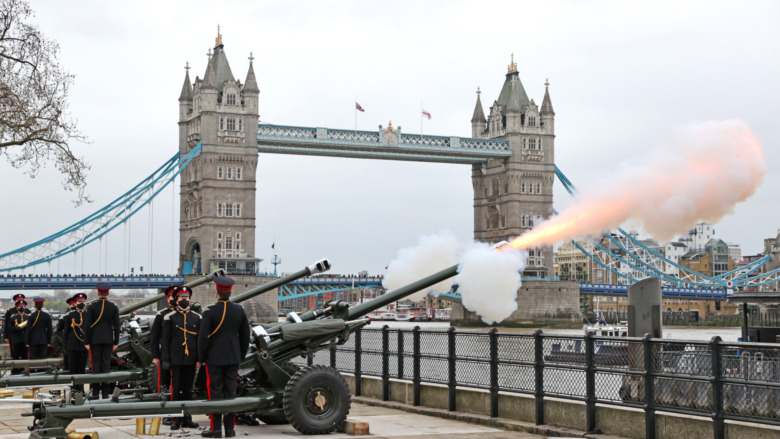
(186, 89)
(218, 41)
(512, 67)
(479, 114)
(546, 102)
(250, 85)
(209, 79)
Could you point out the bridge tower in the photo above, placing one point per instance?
(217, 223)
(511, 195)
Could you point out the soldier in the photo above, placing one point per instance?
(37, 334)
(15, 332)
(180, 351)
(223, 342)
(74, 338)
(163, 374)
(63, 347)
(102, 335)
(7, 317)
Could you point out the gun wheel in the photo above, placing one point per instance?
(316, 400)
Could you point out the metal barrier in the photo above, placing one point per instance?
(715, 379)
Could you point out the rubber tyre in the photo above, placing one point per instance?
(316, 400)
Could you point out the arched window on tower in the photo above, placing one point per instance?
(186, 210)
(494, 188)
(522, 187)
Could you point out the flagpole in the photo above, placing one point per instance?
(355, 110)
(421, 121)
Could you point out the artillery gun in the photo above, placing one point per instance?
(313, 399)
(137, 371)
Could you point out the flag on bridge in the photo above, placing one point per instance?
(359, 108)
(426, 114)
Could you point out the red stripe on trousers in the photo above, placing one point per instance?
(159, 390)
(208, 388)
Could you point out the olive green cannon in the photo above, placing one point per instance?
(270, 387)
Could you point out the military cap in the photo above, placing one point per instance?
(182, 291)
(39, 299)
(224, 283)
(103, 287)
(79, 296)
(171, 289)
(20, 302)
(18, 296)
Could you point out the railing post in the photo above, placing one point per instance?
(385, 363)
(451, 357)
(539, 374)
(718, 428)
(416, 366)
(400, 354)
(493, 373)
(333, 354)
(649, 387)
(358, 351)
(590, 383)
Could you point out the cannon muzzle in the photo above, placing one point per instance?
(320, 266)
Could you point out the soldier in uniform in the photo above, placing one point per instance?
(223, 341)
(15, 332)
(37, 334)
(75, 337)
(102, 335)
(180, 351)
(63, 347)
(163, 374)
(7, 317)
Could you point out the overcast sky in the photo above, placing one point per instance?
(622, 76)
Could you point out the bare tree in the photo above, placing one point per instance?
(35, 127)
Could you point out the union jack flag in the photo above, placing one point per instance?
(359, 108)
(426, 114)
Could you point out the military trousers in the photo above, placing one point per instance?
(222, 382)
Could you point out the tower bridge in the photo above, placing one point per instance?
(511, 151)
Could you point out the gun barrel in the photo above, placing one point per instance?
(41, 362)
(146, 302)
(320, 266)
(54, 380)
(364, 308)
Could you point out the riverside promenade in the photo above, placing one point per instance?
(383, 422)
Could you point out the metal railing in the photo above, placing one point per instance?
(716, 379)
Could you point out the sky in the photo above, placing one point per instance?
(623, 76)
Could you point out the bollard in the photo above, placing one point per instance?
(140, 425)
(73, 434)
(154, 426)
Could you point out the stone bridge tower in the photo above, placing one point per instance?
(217, 222)
(512, 195)
(217, 212)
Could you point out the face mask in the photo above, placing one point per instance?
(80, 305)
(184, 303)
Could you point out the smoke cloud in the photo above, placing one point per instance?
(487, 279)
(432, 254)
(701, 173)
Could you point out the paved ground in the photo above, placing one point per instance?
(383, 423)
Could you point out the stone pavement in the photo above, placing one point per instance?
(383, 423)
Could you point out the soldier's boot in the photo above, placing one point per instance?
(211, 433)
(175, 424)
(189, 423)
(166, 421)
(230, 433)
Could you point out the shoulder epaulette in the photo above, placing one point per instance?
(168, 316)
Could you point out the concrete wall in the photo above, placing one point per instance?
(260, 309)
(620, 421)
(537, 301)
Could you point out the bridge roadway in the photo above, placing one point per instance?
(304, 287)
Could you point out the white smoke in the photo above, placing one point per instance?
(432, 254)
(488, 279)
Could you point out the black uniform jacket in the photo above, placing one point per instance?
(13, 331)
(102, 322)
(155, 334)
(6, 319)
(223, 339)
(75, 328)
(38, 330)
(180, 338)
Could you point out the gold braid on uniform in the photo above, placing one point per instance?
(36, 318)
(224, 310)
(102, 305)
(74, 326)
(185, 332)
